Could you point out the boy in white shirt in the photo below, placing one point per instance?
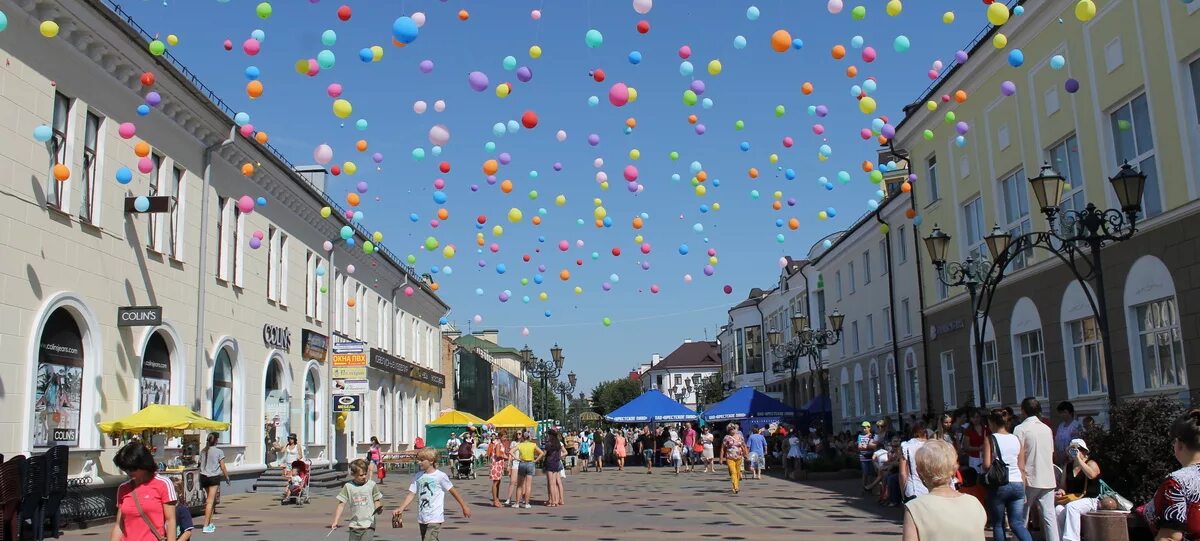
(430, 486)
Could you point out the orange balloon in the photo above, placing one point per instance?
(637, 222)
(839, 52)
(960, 96)
(906, 187)
(261, 137)
(506, 186)
(479, 240)
(254, 89)
(434, 286)
(776, 205)
(793, 224)
(631, 122)
(564, 275)
(361, 145)
(490, 167)
(350, 303)
(536, 220)
(852, 72)
(443, 214)
(910, 213)
(248, 169)
(867, 166)
(599, 224)
(883, 140)
(806, 88)
(701, 176)
(398, 43)
(463, 15)
(753, 172)
(142, 149)
(352, 199)
(781, 41)
(61, 172)
(692, 119)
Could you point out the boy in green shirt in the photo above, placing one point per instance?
(365, 499)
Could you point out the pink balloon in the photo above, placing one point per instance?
(408, 291)
(618, 95)
(246, 204)
(685, 52)
(145, 165)
(334, 90)
(631, 173)
(328, 246)
(127, 130)
(419, 18)
(818, 129)
(247, 130)
(868, 54)
(251, 46)
(323, 154)
(535, 14)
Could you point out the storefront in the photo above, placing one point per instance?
(58, 392)
(277, 403)
(402, 395)
(314, 348)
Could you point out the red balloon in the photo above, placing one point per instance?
(481, 219)
(344, 13)
(529, 119)
(598, 75)
(335, 170)
(616, 251)
(147, 79)
(525, 258)
(579, 262)
(643, 27)
(444, 167)
(728, 289)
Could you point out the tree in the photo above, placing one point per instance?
(552, 408)
(711, 391)
(612, 394)
(1135, 452)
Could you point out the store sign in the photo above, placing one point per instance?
(314, 345)
(351, 386)
(344, 403)
(349, 346)
(947, 327)
(349, 360)
(277, 337)
(348, 372)
(381, 360)
(139, 316)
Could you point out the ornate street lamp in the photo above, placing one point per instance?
(808, 343)
(543, 370)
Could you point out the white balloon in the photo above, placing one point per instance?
(419, 107)
(418, 18)
(439, 106)
(561, 136)
(643, 6)
(323, 154)
(439, 135)
(834, 6)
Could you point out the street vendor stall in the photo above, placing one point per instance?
(451, 422)
(511, 417)
(157, 423)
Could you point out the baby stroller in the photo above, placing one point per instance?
(297, 490)
(465, 468)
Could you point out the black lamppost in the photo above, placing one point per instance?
(565, 389)
(1091, 229)
(543, 370)
(808, 343)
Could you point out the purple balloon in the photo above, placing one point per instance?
(474, 187)
(377, 157)
(606, 286)
(698, 86)
(505, 158)
(700, 129)
(709, 270)
(962, 128)
(961, 56)
(822, 111)
(153, 99)
(478, 81)
(633, 186)
(593, 139)
(541, 268)
(491, 179)
(255, 243)
(503, 296)
(1072, 86)
(524, 74)
(791, 201)
(362, 186)
(888, 131)
(482, 263)
(426, 66)
(558, 166)
(1008, 88)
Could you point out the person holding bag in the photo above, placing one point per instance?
(146, 502)
(1080, 492)
(1006, 493)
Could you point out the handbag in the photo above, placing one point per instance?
(699, 448)
(137, 502)
(1108, 492)
(997, 474)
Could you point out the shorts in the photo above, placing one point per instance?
(756, 460)
(648, 455)
(430, 532)
(585, 455)
(362, 534)
(526, 468)
(570, 451)
(206, 481)
(677, 461)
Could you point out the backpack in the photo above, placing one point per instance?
(997, 475)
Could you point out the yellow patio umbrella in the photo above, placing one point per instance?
(511, 417)
(455, 417)
(163, 418)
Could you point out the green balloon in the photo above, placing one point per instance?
(950, 117)
(689, 97)
(263, 10)
(779, 111)
(411, 259)
(858, 13)
(593, 38)
(674, 155)
(324, 289)
(739, 125)
(157, 48)
(431, 243)
(928, 135)
(368, 247)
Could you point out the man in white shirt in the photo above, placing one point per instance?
(1038, 465)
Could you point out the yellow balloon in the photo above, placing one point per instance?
(376, 53)
(302, 66)
(48, 29)
(377, 236)
(604, 185)
(712, 260)
(632, 94)
(502, 91)
(448, 252)
(635, 154)
(931, 105)
(948, 17)
(341, 108)
(172, 40)
(599, 213)
(822, 157)
(1085, 10)
(543, 296)
(326, 211)
(349, 168)
(535, 52)
(774, 158)
(777, 195)
(714, 67)
(997, 13)
(867, 105)
(894, 7)
(822, 215)
(701, 190)
(716, 207)
(515, 215)
(560, 200)
(597, 201)
(578, 290)
(497, 230)
(639, 239)
(1000, 41)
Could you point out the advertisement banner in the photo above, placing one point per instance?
(314, 345)
(349, 360)
(352, 372)
(351, 386)
(346, 403)
(504, 389)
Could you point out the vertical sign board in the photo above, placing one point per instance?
(349, 368)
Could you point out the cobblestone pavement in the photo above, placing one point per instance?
(608, 506)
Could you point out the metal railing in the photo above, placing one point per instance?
(216, 100)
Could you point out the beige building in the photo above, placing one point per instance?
(104, 309)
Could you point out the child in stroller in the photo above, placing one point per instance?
(465, 455)
(297, 477)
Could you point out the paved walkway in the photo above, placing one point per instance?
(608, 506)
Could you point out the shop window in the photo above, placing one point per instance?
(58, 391)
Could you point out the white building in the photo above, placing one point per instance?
(237, 332)
(747, 343)
(682, 374)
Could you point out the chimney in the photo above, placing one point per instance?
(491, 335)
(313, 174)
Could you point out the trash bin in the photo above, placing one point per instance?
(1104, 526)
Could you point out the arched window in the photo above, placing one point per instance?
(222, 400)
(860, 392)
(382, 424)
(276, 407)
(156, 371)
(875, 386)
(59, 382)
(845, 386)
(1152, 314)
(1029, 356)
(311, 423)
(912, 381)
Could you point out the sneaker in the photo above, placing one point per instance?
(527, 506)
(210, 528)
(516, 505)
(506, 502)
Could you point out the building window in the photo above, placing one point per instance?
(1160, 344)
(852, 280)
(360, 311)
(222, 394)
(1134, 140)
(854, 336)
(739, 351)
(678, 379)
(1195, 70)
(883, 256)
(277, 266)
(175, 227)
(90, 179)
(907, 317)
(866, 267)
(1033, 364)
(156, 371)
(931, 178)
(238, 247)
(889, 384)
(949, 388)
(60, 125)
(912, 382)
(59, 382)
(860, 392)
(845, 398)
(870, 331)
(1086, 348)
(903, 245)
(820, 322)
(991, 373)
(310, 407)
(943, 290)
(754, 354)
(838, 279)
(224, 232)
(973, 218)
(887, 324)
(310, 284)
(876, 388)
(153, 222)
(1065, 159)
(382, 327)
(1016, 212)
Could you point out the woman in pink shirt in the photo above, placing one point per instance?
(146, 502)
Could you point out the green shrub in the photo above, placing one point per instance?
(1135, 452)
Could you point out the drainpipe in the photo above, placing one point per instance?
(762, 337)
(892, 317)
(921, 299)
(201, 271)
(807, 312)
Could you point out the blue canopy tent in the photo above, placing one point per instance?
(748, 403)
(651, 407)
(818, 411)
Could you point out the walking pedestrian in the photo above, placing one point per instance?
(430, 487)
(733, 451)
(910, 478)
(146, 502)
(365, 501)
(975, 437)
(571, 442)
(866, 448)
(598, 450)
(528, 453)
(585, 448)
(497, 453)
(944, 514)
(1037, 444)
(374, 456)
(1009, 498)
(212, 468)
(553, 468)
(706, 439)
(645, 445)
(757, 443)
(689, 446)
(619, 449)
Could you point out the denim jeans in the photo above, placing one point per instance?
(1008, 499)
(893, 485)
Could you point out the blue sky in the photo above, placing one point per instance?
(296, 112)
